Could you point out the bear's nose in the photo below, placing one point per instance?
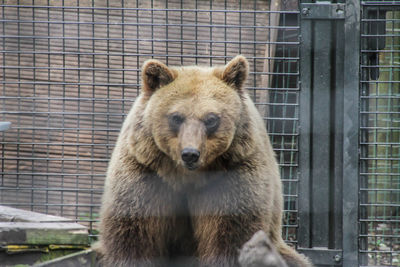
(190, 155)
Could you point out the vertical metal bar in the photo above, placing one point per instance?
(320, 135)
(19, 100)
(63, 109)
(181, 33)
(108, 102)
(108, 78)
(350, 133)
(166, 32)
(34, 105)
(93, 117)
(305, 102)
(363, 179)
(390, 123)
(225, 35)
(123, 60)
(336, 183)
(3, 59)
(254, 51)
(240, 29)
(374, 210)
(292, 82)
(211, 34)
(137, 47)
(79, 111)
(272, 96)
(196, 31)
(296, 131)
(152, 28)
(48, 105)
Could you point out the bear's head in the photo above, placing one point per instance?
(192, 113)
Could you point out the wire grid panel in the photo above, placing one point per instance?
(380, 136)
(283, 117)
(70, 71)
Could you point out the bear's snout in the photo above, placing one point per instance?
(190, 156)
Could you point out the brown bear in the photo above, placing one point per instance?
(193, 175)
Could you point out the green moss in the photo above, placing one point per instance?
(54, 254)
(39, 237)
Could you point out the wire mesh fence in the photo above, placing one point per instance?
(380, 135)
(70, 71)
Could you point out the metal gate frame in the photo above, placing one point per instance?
(329, 132)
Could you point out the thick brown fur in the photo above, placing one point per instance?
(156, 210)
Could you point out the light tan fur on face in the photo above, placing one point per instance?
(195, 93)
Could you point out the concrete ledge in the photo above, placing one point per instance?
(24, 233)
(8, 214)
(20, 227)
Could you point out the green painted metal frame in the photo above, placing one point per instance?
(329, 126)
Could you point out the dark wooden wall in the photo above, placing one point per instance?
(70, 73)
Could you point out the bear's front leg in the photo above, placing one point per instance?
(134, 241)
(136, 224)
(225, 215)
(222, 222)
(220, 238)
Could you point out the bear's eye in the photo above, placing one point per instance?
(175, 120)
(211, 122)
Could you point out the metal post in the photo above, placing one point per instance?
(351, 133)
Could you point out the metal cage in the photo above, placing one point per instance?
(71, 70)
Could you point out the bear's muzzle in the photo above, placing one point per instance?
(190, 156)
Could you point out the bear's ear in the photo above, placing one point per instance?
(155, 75)
(235, 72)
